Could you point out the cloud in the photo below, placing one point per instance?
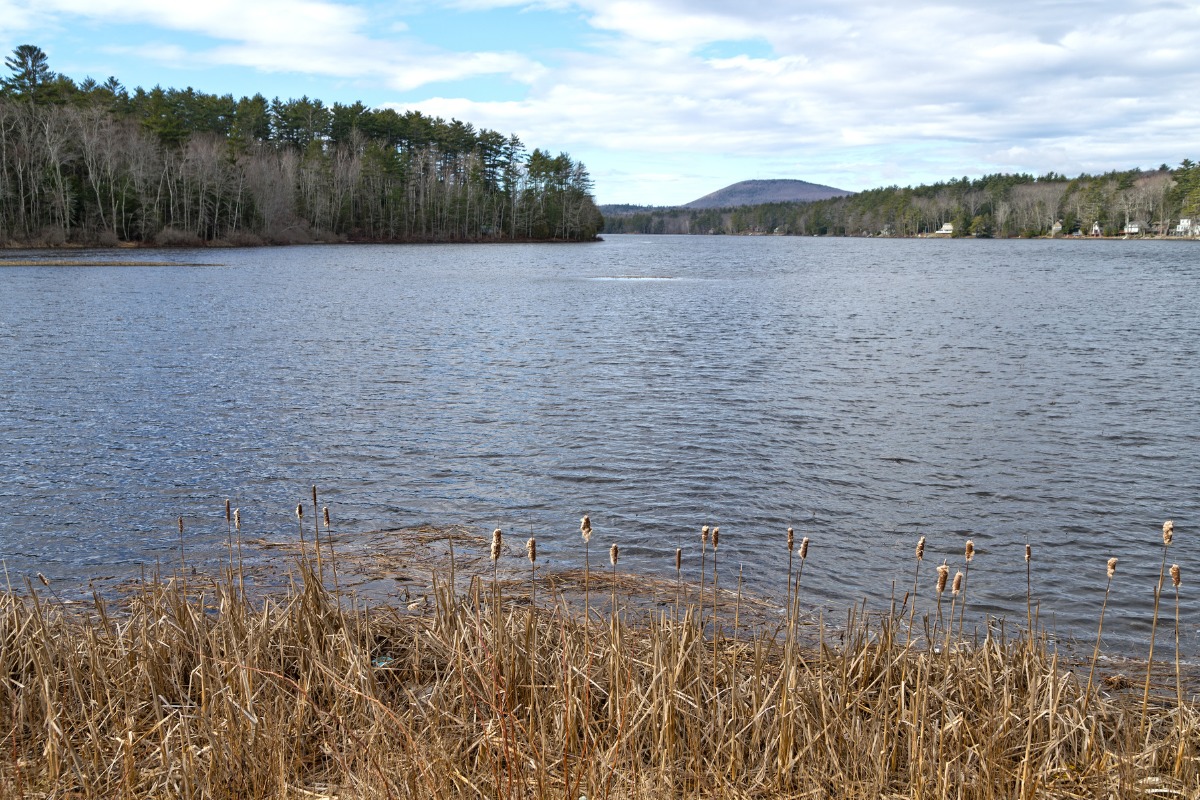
(312, 37)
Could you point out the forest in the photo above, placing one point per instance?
(96, 164)
(1133, 202)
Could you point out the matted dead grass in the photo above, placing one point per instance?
(489, 685)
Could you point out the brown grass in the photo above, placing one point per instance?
(202, 691)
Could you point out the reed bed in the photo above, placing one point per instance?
(198, 690)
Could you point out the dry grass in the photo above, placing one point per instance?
(198, 690)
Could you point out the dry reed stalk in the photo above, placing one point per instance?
(182, 558)
(716, 635)
(1028, 589)
(1168, 534)
(703, 552)
(943, 572)
(791, 546)
(678, 579)
(912, 611)
(1180, 748)
(956, 588)
(1087, 692)
(968, 556)
(300, 521)
(229, 533)
(317, 534)
(614, 553)
(237, 527)
(799, 578)
(333, 553)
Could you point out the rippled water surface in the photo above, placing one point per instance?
(867, 392)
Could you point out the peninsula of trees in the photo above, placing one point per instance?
(93, 163)
(1135, 202)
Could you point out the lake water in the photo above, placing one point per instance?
(867, 392)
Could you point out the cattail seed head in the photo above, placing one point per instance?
(496, 538)
(314, 495)
(678, 558)
(943, 573)
(613, 552)
(1168, 532)
(228, 513)
(804, 548)
(237, 519)
(585, 528)
(791, 539)
(1175, 575)
(531, 549)
(1028, 553)
(181, 526)
(921, 549)
(46, 583)
(704, 534)
(716, 536)
(957, 586)
(325, 511)
(969, 553)
(1112, 567)
(299, 511)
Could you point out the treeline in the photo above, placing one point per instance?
(1141, 202)
(95, 163)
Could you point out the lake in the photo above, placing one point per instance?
(866, 392)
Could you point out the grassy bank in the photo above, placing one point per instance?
(502, 686)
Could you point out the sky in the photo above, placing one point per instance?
(668, 100)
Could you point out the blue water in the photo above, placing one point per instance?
(867, 392)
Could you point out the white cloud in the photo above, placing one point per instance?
(309, 37)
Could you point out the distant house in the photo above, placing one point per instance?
(1096, 229)
(1136, 228)
(1186, 227)
(947, 229)
(1056, 228)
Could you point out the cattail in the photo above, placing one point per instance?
(585, 528)
(531, 549)
(943, 573)
(325, 511)
(791, 539)
(496, 537)
(1168, 532)
(613, 552)
(1028, 553)
(678, 558)
(704, 534)
(957, 586)
(237, 519)
(299, 511)
(1112, 567)
(46, 583)
(970, 551)
(804, 548)
(1175, 575)
(228, 517)
(921, 549)
(716, 535)
(181, 526)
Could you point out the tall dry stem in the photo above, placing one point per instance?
(968, 556)
(1168, 534)
(1087, 692)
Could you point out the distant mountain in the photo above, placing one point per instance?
(752, 193)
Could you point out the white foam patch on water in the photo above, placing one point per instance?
(632, 278)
